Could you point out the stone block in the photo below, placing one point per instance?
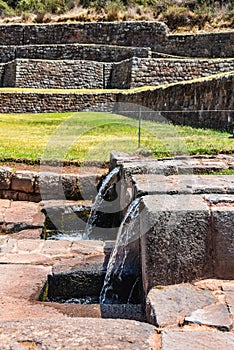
(169, 305)
(23, 181)
(26, 214)
(50, 186)
(212, 315)
(175, 242)
(88, 186)
(223, 237)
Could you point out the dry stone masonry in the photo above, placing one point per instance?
(120, 56)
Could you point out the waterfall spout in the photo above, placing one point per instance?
(99, 200)
(124, 261)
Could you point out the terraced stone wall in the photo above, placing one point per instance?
(35, 102)
(59, 74)
(138, 72)
(166, 71)
(140, 34)
(206, 102)
(203, 102)
(100, 53)
(198, 45)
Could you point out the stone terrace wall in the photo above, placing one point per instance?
(130, 73)
(59, 74)
(165, 71)
(23, 73)
(141, 34)
(191, 100)
(138, 72)
(101, 53)
(203, 102)
(66, 101)
(198, 45)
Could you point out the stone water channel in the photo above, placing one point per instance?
(173, 268)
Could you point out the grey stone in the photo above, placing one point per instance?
(223, 233)
(212, 315)
(174, 239)
(197, 340)
(169, 305)
(78, 333)
(23, 181)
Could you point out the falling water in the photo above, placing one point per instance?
(127, 234)
(99, 201)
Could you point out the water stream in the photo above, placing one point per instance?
(122, 270)
(99, 200)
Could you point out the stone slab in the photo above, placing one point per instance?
(23, 181)
(169, 305)
(20, 215)
(19, 291)
(78, 333)
(62, 254)
(204, 340)
(182, 184)
(212, 315)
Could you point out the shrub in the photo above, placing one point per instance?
(230, 17)
(176, 16)
(205, 8)
(43, 6)
(114, 10)
(5, 9)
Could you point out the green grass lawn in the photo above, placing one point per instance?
(88, 136)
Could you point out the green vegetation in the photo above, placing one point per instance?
(223, 172)
(87, 136)
(178, 14)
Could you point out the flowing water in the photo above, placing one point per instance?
(125, 257)
(100, 198)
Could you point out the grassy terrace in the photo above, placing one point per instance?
(92, 135)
